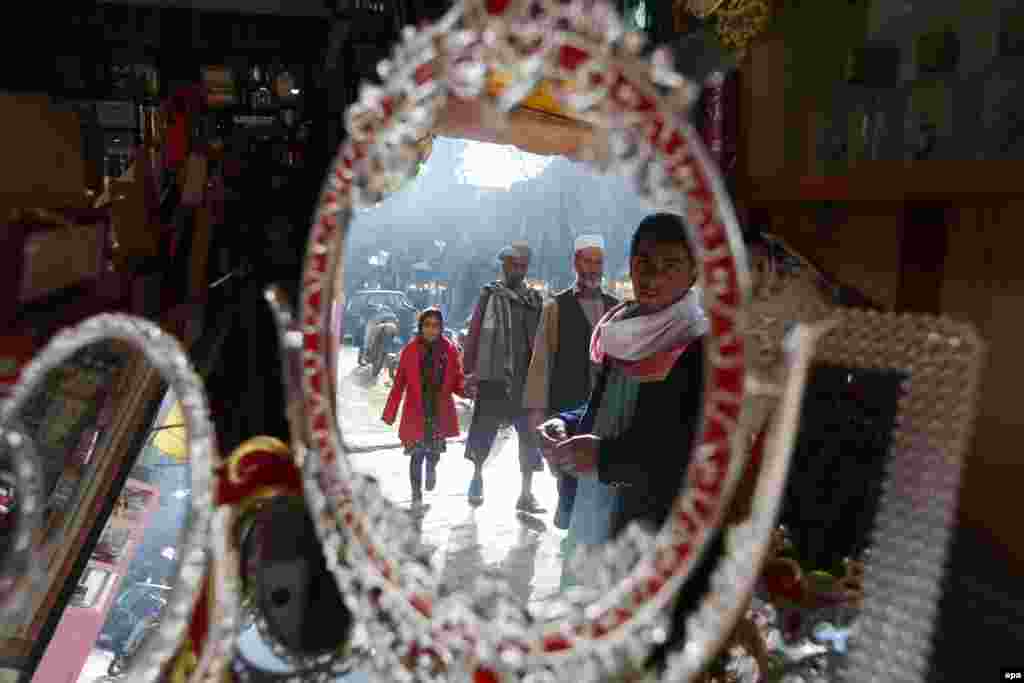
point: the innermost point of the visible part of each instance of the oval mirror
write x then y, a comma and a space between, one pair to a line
458, 554
82, 404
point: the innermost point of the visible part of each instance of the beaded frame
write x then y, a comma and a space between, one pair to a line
907, 556
597, 72
165, 354
19, 576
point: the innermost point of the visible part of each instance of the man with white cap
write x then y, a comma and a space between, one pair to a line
561, 373
496, 360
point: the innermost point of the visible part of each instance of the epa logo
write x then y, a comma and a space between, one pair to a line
1013, 676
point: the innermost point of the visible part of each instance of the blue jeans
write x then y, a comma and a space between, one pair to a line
420, 454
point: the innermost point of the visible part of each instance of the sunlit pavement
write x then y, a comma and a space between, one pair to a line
95, 666
464, 539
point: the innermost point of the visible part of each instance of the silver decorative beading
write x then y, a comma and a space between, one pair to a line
165, 354
20, 577
420, 632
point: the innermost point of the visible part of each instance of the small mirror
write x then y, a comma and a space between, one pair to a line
118, 425
70, 417
865, 518
290, 596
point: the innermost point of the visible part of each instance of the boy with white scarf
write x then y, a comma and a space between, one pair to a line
638, 428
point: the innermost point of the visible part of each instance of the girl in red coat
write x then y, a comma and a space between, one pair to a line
429, 373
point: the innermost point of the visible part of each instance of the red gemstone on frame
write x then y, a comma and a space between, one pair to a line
423, 73
421, 604
722, 325
714, 432
713, 234
313, 300
556, 643
312, 343
318, 263
683, 551
655, 129
483, 675
675, 141
495, 7
570, 57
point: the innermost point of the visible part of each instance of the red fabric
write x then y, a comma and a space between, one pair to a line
757, 450
186, 102
16, 350
177, 141
654, 368
407, 382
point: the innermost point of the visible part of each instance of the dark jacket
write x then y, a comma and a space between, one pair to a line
648, 463
571, 367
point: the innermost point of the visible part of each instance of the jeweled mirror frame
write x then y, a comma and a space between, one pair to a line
596, 70
916, 513
165, 354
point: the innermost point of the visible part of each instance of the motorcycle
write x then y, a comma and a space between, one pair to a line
384, 347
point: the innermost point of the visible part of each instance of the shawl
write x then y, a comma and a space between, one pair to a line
496, 359
647, 346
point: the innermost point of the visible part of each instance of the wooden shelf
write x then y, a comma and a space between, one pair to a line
896, 181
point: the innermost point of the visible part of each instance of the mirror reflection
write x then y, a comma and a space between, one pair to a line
468, 382
101, 416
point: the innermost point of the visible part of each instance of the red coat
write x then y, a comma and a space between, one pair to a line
408, 382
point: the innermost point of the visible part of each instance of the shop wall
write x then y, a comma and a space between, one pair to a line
859, 246
45, 143
982, 284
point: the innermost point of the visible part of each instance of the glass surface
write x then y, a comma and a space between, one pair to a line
126, 582
434, 243
810, 592
153, 507
69, 417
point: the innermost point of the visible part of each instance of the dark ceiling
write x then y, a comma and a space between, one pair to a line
297, 8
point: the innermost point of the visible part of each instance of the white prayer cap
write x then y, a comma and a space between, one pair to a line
591, 241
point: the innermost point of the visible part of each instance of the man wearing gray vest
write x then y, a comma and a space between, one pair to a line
561, 374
